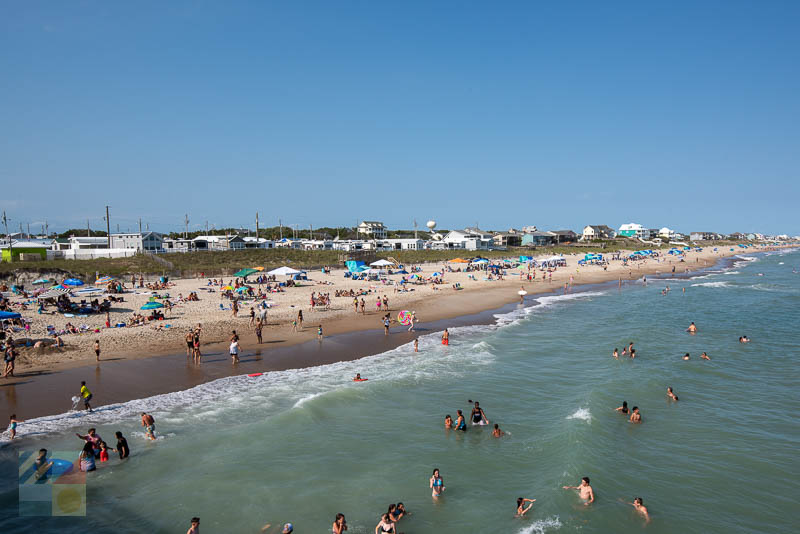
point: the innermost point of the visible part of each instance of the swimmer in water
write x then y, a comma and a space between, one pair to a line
448, 421
637, 503
704, 356
497, 432
633, 353
686, 356
478, 417
615, 353
521, 508
744, 339
692, 328
357, 377
671, 395
584, 491
436, 484
636, 417
460, 423
623, 409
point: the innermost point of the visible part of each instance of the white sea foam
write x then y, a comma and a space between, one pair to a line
713, 284
583, 414
307, 398
540, 526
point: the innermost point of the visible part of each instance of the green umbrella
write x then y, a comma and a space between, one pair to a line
152, 306
245, 272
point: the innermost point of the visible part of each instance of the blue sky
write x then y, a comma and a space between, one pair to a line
556, 114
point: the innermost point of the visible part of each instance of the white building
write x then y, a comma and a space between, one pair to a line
597, 231
148, 241
218, 242
316, 244
634, 230
401, 244
83, 243
372, 229
257, 242
666, 233
468, 239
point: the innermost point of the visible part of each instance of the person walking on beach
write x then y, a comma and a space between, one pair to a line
196, 346
9, 358
386, 303
252, 316
363, 305
386, 323
235, 307
436, 484
97, 349
258, 331
150, 425
300, 319
234, 349
585, 491
412, 322
355, 304
319, 333
86, 395
12, 425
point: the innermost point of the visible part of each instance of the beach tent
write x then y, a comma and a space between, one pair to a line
481, 260
73, 282
458, 260
354, 266
244, 273
381, 263
152, 306
53, 293
9, 315
284, 271
523, 259
371, 271
89, 291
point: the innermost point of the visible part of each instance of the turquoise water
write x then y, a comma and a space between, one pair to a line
302, 445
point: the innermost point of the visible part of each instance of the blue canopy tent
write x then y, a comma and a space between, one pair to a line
9, 315
355, 266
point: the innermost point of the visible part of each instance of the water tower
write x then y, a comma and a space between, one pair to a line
431, 225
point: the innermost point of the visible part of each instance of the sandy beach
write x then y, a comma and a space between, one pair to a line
57, 371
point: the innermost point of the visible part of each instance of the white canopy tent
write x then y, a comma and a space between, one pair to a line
381, 263
284, 271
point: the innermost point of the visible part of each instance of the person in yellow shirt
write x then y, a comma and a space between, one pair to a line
87, 396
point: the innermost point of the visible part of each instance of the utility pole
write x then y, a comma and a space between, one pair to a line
186, 222
206, 227
10, 245
310, 232
108, 228
46, 229
29, 230
415, 229
280, 225
256, 229
88, 229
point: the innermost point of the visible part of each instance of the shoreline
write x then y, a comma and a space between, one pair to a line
123, 379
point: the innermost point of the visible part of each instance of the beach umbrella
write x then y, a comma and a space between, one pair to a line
284, 271
41, 281
244, 272
242, 289
481, 260
73, 282
259, 269
404, 317
227, 288
458, 260
152, 306
103, 280
9, 315
437, 274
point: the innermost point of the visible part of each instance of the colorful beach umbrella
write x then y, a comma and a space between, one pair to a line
404, 317
103, 280
242, 289
42, 281
74, 282
227, 288
152, 306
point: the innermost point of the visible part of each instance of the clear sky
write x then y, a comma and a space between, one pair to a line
555, 114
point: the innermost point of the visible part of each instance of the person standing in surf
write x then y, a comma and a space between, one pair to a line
445, 337
87, 396
478, 417
460, 423
585, 491
436, 484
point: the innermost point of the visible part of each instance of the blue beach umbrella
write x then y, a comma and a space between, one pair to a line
9, 315
152, 306
73, 282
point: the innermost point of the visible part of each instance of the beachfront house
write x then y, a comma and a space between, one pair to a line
400, 244
468, 239
737, 236
372, 230
147, 241
316, 244
258, 242
597, 231
218, 242
538, 239
169, 244
633, 230
87, 243
704, 236
666, 234
20, 250
512, 238
565, 236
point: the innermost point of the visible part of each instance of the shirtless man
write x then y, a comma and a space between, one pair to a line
637, 503
149, 424
636, 417
497, 433
704, 356
671, 395
189, 338
692, 328
585, 491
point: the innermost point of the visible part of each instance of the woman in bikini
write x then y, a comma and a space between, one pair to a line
436, 484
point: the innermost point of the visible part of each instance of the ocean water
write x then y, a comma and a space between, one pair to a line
302, 445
